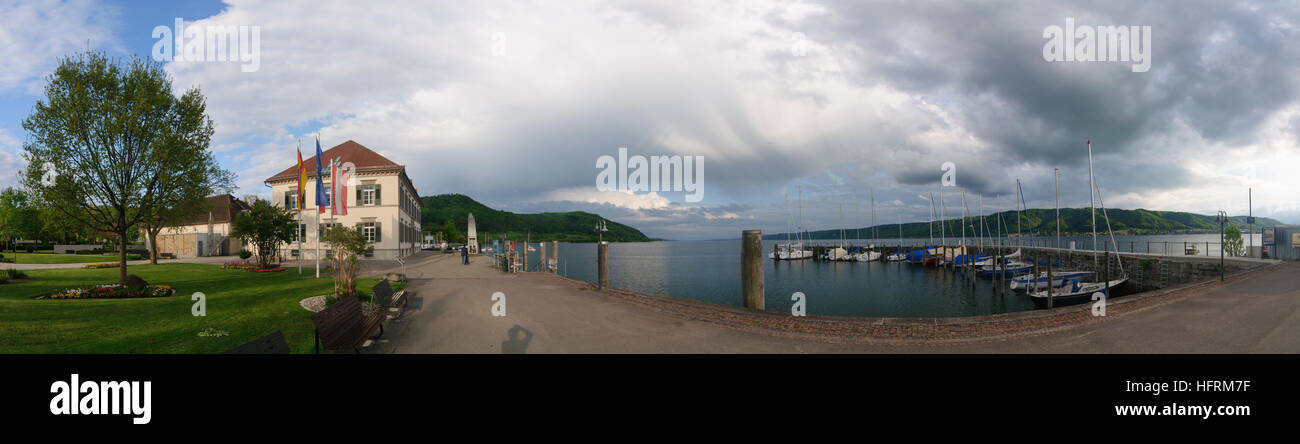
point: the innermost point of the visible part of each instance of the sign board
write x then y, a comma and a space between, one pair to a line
1250, 220
1267, 235
1295, 240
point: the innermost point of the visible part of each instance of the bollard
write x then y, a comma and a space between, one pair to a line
555, 262
776, 253
541, 256
751, 268
602, 264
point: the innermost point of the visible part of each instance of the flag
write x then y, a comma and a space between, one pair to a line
334, 186
322, 200
341, 190
302, 180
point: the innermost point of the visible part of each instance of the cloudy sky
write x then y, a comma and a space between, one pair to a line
512, 103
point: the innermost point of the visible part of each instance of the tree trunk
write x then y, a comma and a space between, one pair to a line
153, 244
121, 257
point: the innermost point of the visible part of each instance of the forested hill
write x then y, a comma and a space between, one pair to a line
1043, 222
573, 226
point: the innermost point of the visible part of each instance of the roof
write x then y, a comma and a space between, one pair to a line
223, 208
365, 160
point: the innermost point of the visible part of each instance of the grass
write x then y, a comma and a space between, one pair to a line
22, 257
244, 305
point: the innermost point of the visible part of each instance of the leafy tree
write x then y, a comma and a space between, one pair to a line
266, 226
18, 217
450, 233
106, 142
346, 244
1232, 244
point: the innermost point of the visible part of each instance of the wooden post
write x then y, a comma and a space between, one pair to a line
776, 253
1049, 283
541, 256
751, 268
1105, 275
555, 256
602, 264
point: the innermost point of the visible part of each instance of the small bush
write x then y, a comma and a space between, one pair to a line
31, 248
13, 274
134, 282
245, 254
132, 257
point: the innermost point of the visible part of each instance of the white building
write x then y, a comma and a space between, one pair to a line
206, 233
384, 204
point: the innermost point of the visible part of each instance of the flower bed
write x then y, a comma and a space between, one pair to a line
102, 265
248, 266
112, 291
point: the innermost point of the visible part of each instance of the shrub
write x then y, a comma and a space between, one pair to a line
30, 248
132, 257
13, 274
134, 282
245, 254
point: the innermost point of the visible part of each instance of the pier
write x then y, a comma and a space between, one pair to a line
1257, 310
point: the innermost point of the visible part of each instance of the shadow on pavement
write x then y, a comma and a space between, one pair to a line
517, 344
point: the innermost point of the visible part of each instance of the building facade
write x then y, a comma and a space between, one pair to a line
383, 204
206, 233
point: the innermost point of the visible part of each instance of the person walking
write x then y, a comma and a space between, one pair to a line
464, 255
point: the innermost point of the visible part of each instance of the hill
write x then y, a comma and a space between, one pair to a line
573, 226
1073, 221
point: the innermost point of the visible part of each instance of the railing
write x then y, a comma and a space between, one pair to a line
1162, 248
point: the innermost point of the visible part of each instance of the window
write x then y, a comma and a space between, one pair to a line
301, 235
368, 195
290, 199
369, 230
329, 193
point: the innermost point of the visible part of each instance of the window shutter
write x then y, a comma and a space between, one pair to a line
378, 201
359, 201
377, 230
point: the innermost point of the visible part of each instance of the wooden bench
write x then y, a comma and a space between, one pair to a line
385, 297
272, 344
167, 255
342, 325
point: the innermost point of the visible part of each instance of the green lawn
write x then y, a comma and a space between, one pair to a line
52, 258
245, 305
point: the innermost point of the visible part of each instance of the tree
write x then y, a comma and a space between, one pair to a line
449, 232
1232, 241
18, 217
346, 244
266, 226
194, 177
106, 142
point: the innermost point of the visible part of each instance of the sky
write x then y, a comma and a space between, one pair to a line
821, 106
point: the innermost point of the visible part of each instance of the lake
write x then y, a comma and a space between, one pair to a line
709, 271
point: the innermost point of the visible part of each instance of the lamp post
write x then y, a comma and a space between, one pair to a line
1223, 219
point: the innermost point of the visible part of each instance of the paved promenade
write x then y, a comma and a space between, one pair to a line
450, 312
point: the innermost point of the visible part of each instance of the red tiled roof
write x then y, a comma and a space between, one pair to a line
363, 158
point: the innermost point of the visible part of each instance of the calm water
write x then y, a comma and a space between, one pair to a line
710, 271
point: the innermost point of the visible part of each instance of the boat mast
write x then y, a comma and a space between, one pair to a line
1019, 198
1056, 174
874, 232
1092, 205
931, 219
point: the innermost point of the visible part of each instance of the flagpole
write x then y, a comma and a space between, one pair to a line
318, 187
300, 201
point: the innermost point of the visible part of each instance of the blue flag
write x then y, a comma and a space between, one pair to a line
321, 199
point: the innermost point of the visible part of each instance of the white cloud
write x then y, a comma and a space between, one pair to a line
621, 199
35, 34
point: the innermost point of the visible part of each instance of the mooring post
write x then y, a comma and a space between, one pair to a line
1105, 275
555, 256
1049, 283
776, 253
602, 261
751, 268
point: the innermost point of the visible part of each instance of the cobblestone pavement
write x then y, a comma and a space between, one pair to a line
451, 312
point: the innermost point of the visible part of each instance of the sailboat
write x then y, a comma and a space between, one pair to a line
790, 250
1059, 278
898, 256
1076, 291
868, 256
